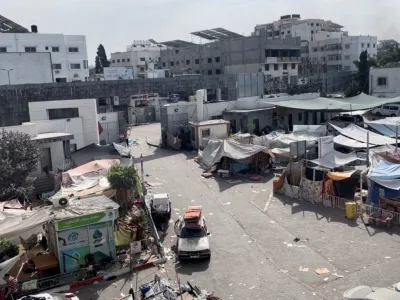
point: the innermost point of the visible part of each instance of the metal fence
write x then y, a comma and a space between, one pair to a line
369, 209
333, 201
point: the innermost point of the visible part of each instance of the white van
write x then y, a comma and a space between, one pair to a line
388, 110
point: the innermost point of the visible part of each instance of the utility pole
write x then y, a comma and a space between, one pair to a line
8, 73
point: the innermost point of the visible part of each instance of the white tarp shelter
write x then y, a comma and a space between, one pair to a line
359, 102
360, 134
385, 126
335, 159
215, 150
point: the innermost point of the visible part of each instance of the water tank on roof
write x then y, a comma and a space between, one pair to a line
34, 29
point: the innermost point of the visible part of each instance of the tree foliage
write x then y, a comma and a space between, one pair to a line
389, 53
101, 59
124, 178
360, 82
19, 157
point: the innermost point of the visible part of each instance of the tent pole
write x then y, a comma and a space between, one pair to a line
397, 131
368, 149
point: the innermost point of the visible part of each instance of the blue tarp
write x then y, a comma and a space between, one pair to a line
385, 129
385, 170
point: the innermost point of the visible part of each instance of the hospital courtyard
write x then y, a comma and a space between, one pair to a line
264, 246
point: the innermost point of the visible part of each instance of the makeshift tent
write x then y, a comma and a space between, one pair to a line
335, 159
359, 102
360, 134
93, 166
6, 266
385, 126
386, 174
347, 142
215, 150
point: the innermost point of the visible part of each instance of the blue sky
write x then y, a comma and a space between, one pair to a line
116, 23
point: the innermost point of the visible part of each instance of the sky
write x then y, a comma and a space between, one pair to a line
116, 23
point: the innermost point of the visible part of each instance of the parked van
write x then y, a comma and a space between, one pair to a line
388, 110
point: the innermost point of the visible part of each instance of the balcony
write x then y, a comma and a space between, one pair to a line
274, 60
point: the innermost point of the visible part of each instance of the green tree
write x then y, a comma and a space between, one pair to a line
19, 157
101, 59
388, 53
360, 82
124, 178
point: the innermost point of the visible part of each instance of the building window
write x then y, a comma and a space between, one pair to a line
347, 46
141, 69
188, 62
205, 133
217, 59
288, 32
46, 48
3, 49
266, 67
347, 57
55, 49
142, 59
197, 61
217, 71
285, 66
163, 64
61, 79
75, 66
73, 49
368, 45
382, 81
373, 45
315, 49
63, 113
362, 45
197, 72
113, 61
56, 66
30, 49
317, 24
312, 24
276, 67
269, 34
123, 60
209, 72
276, 33
209, 60
312, 31
300, 117
172, 64
347, 68
118, 60
128, 59
176, 51
177, 63
293, 66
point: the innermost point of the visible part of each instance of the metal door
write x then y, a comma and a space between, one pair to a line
110, 132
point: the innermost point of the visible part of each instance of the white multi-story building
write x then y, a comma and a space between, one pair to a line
68, 53
141, 55
340, 52
294, 26
385, 82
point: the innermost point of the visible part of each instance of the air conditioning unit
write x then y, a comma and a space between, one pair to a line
62, 201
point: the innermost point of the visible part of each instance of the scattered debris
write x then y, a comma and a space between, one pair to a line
272, 222
326, 279
320, 271
337, 275
211, 214
179, 195
256, 178
207, 175
301, 269
249, 242
250, 288
227, 203
255, 192
296, 240
263, 190
233, 181
387, 257
283, 271
147, 175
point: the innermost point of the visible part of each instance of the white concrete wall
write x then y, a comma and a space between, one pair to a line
28, 128
110, 127
392, 87
57, 154
87, 112
26, 68
16, 42
74, 126
219, 131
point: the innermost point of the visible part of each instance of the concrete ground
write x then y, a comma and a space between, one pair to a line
254, 255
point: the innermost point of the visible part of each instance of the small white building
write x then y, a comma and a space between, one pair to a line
68, 54
385, 82
142, 56
78, 117
202, 132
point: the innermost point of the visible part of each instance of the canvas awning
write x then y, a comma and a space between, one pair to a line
345, 141
336, 176
360, 134
335, 159
359, 102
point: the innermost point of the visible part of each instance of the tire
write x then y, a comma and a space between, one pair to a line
392, 115
378, 114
